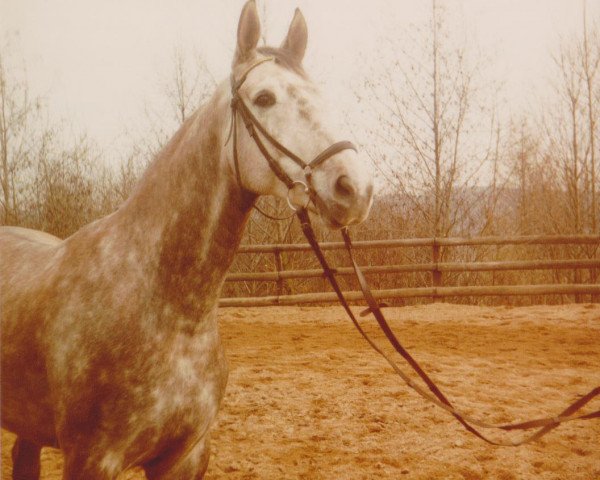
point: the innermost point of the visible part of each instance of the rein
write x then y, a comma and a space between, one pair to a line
433, 393
543, 425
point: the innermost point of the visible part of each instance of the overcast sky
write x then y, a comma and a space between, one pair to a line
98, 62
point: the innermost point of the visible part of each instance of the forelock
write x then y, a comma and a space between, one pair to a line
283, 58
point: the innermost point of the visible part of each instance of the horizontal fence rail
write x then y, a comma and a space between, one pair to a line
328, 297
435, 268
422, 267
431, 242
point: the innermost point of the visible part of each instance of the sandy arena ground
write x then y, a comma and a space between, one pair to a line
308, 399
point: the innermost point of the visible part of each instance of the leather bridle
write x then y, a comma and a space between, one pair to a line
239, 108
433, 393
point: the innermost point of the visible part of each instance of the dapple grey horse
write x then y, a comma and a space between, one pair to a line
110, 342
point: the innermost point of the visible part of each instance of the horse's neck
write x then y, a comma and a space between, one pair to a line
187, 215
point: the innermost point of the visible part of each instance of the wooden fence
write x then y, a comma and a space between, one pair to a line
436, 269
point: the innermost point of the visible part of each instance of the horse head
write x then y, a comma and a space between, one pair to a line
290, 146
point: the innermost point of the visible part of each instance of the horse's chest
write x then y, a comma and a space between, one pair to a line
190, 383
189, 387
158, 393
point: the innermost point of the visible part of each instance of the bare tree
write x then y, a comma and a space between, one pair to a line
186, 87
590, 62
49, 181
189, 85
435, 131
17, 112
570, 126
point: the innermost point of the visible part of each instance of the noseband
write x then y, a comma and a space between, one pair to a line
239, 108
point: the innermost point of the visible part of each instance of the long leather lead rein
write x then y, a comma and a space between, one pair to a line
544, 425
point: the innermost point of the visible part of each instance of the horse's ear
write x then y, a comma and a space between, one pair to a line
248, 31
297, 37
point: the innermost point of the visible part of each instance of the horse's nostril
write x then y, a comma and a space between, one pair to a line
344, 187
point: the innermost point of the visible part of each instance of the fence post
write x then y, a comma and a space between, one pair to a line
279, 268
595, 298
436, 275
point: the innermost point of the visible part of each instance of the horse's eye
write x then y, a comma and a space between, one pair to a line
265, 99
